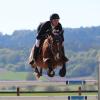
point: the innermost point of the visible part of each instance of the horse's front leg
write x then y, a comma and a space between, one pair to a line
38, 73
50, 72
62, 71
41, 71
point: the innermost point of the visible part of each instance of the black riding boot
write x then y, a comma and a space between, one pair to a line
36, 53
64, 57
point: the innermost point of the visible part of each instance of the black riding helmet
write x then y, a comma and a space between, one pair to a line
54, 16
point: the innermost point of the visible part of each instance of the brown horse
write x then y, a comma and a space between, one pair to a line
50, 56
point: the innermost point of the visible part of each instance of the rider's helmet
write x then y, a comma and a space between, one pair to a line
54, 16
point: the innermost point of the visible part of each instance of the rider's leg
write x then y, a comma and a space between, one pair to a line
64, 57
36, 49
31, 61
34, 52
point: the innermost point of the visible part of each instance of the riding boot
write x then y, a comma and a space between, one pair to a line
33, 56
64, 57
36, 53
31, 60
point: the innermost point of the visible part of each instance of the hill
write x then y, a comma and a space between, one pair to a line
82, 45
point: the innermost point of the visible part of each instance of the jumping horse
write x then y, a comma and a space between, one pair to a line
50, 56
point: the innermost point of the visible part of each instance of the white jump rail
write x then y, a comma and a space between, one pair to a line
44, 83
20, 84
43, 98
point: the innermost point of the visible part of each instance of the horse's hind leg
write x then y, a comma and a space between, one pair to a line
62, 71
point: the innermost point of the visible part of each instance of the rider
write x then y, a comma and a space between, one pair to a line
52, 26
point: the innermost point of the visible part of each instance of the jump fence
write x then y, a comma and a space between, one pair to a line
21, 84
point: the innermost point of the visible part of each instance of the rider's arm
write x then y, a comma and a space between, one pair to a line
42, 31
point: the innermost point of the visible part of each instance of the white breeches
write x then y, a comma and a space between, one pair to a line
37, 43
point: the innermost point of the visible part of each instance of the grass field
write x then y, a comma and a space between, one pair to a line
47, 94
9, 75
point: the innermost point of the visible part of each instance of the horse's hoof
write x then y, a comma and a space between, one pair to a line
65, 59
62, 72
51, 73
37, 76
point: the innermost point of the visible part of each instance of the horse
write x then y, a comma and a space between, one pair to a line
50, 56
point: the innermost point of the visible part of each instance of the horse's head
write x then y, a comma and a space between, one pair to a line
55, 45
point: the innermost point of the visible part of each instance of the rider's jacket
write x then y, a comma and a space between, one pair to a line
46, 28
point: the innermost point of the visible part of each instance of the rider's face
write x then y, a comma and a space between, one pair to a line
55, 22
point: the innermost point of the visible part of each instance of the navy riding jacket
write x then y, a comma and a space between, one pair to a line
46, 28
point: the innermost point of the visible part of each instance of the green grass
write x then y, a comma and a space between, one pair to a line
47, 94
9, 75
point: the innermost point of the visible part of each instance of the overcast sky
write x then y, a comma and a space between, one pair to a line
27, 14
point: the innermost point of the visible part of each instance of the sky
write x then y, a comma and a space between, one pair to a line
27, 14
